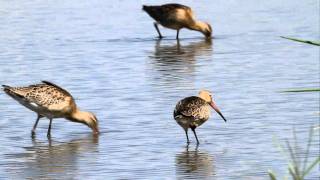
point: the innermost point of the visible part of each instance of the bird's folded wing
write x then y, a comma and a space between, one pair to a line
190, 107
44, 96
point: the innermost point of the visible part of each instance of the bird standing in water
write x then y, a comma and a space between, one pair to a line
176, 16
192, 112
51, 101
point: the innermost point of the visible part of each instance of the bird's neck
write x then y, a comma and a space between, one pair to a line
77, 116
198, 26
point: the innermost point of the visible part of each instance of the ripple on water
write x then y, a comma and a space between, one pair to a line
131, 80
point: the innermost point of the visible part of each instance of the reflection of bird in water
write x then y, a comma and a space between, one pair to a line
194, 164
51, 101
176, 16
191, 112
47, 160
182, 52
176, 62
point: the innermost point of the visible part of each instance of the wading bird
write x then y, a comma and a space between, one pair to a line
51, 101
176, 16
193, 111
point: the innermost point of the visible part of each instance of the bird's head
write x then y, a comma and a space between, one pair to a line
207, 96
87, 118
206, 29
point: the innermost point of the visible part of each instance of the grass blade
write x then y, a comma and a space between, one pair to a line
317, 161
293, 173
316, 43
272, 175
303, 90
308, 149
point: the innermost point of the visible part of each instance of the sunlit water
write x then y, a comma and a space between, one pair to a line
107, 55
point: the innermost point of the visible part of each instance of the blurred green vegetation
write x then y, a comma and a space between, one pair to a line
298, 165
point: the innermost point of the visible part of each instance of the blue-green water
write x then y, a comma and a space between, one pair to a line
107, 55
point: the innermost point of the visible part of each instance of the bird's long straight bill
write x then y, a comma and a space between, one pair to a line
215, 107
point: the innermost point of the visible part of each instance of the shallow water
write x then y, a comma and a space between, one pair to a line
107, 55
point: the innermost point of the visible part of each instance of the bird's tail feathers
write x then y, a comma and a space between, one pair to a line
149, 9
6, 88
11, 91
144, 7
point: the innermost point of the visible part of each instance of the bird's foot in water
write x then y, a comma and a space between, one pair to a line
33, 134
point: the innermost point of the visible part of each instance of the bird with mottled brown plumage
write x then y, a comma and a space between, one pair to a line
51, 101
191, 112
177, 16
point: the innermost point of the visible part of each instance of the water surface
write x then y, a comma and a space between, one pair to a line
107, 55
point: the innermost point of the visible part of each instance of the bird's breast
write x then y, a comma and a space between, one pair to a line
202, 112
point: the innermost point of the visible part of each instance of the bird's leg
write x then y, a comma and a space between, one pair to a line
186, 130
49, 129
156, 26
177, 37
195, 134
178, 46
33, 131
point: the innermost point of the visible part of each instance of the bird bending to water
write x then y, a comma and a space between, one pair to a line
51, 101
176, 16
193, 111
